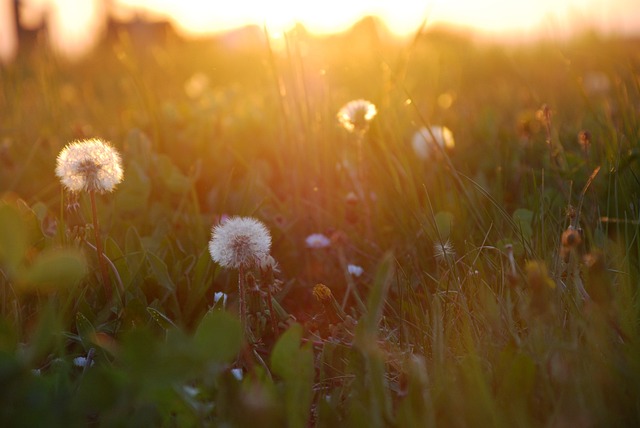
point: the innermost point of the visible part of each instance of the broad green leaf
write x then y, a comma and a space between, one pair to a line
219, 336
160, 271
295, 365
444, 222
378, 294
56, 269
135, 254
162, 320
86, 331
134, 193
13, 237
523, 219
43, 336
117, 257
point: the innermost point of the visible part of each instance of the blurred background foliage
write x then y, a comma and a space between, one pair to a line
512, 327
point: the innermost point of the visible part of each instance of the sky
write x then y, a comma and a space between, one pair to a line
76, 24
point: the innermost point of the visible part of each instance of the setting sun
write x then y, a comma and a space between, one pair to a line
74, 26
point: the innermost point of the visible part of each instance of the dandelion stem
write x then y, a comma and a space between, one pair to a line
241, 298
272, 315
363, 184
96, 230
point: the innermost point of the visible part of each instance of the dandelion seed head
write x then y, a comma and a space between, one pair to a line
317, 240
424, 140
89, 165
356, 115
239, 242
443, 251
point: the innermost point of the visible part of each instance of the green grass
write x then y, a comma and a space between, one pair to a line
513, 329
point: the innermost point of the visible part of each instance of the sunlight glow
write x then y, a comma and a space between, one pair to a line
75, 25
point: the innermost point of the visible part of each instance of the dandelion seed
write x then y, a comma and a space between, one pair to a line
321, 293
443, 251
424, 140
239, 242
355, 270
356, 115
89, 165
317, 240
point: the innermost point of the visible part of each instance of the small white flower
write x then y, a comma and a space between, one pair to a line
424, 139
237, 373
317, 240
239, 241
89, 165
82, 362
219, 295
191, 391
355, 270
356, 115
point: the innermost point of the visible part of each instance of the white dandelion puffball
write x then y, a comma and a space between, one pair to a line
423, 141
89, 165
317, 240
239, 242
356, 115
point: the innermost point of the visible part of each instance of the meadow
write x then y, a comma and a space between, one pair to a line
492, 281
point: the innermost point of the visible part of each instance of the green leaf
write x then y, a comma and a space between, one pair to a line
115, 254
162, 320
523, 219
13, 237
219, 336
86, 330
56, 269
134, 253
378, 294
160, 271
295, 365
44, 335
444, 221
134, 192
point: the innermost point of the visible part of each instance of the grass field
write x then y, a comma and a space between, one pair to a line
494, 283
